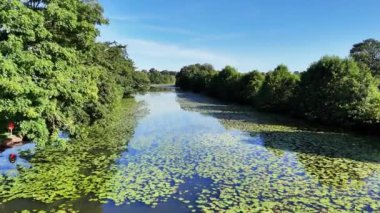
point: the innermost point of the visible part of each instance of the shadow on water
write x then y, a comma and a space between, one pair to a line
80, 205
332, 159
228, 111
331, 145
284, 133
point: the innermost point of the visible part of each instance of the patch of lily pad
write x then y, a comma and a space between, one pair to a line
67, 173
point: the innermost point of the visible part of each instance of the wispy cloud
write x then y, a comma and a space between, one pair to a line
217, 37
148, 53
174, 30
134, 18
162, 50
144, 22
123, 18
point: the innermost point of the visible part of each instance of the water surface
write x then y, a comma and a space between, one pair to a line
189, 153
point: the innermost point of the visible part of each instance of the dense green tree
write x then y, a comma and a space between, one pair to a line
115, 79
53, 74
141, 81
249, 86
44, 85
203, 77
154, 76
368, 53
278, 90
195, 77
185, 77
338, 91
163, 77
225, 84
114, 61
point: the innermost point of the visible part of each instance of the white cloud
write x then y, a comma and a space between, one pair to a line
194, 35
133, 18
147, 53
215, 37
161, 50
169, 29
171, 56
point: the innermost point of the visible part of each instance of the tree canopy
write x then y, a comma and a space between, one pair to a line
368, 53
163, 77
338, 91
54, 75
195, 77
278, 90
250, 86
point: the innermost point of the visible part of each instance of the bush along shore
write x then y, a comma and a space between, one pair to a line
54, 75
332, 91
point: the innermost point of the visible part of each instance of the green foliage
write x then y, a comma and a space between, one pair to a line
117, 67
225, 84
141, 81
368, 53
196, 77
250, 85
253, 88
163, 77
53, 74
338, 91
333, 91
278, 90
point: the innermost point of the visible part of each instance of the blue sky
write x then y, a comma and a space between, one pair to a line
246, 34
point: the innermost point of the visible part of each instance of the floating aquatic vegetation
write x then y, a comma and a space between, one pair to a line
201, 155
71, 172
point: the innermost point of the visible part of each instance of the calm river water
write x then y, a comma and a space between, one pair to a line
189, 153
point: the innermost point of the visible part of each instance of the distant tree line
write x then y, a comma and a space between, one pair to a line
54, 75
160, 77
333, 91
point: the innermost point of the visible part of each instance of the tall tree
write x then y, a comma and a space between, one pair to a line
368, 53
